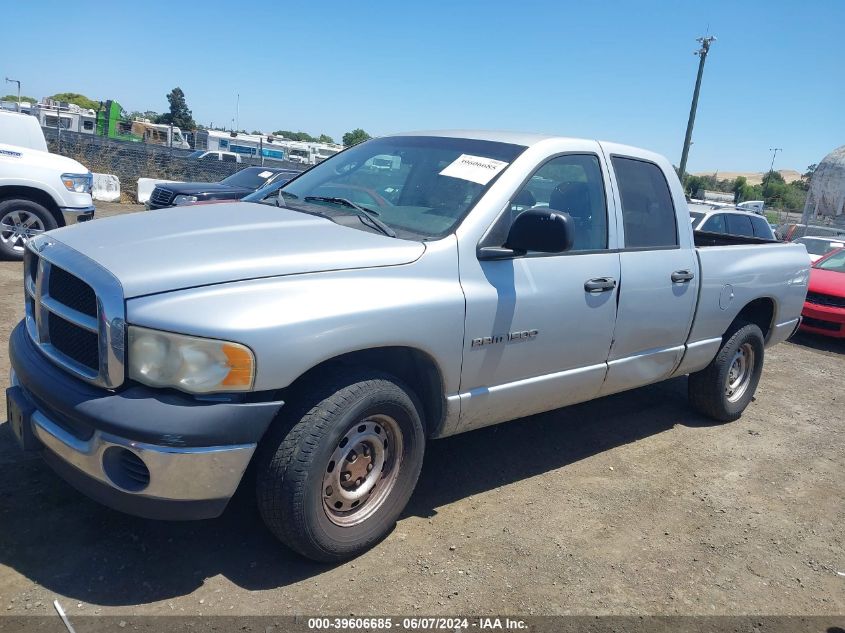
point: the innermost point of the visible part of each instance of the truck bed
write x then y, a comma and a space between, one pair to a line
706, 238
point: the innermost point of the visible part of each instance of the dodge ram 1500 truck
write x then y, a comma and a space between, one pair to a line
325, 338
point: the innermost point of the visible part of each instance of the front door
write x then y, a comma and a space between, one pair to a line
539, 326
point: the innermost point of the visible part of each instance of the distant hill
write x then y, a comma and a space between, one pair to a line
753, 177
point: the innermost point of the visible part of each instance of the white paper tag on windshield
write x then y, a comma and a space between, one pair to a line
474, 168
265, 174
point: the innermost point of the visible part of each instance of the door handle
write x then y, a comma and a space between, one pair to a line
601, 284
682, 276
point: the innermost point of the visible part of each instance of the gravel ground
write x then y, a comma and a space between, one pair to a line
631, 504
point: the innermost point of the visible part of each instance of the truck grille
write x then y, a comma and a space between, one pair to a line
72, 292
161, 197
77, 323
826, 300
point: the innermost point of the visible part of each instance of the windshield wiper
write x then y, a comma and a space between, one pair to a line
362, 212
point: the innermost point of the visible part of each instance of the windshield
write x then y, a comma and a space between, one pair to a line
695, 217
196, 154
835, 262
249, 178
819, 247
427, 188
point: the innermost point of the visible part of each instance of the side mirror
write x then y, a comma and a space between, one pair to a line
542, 230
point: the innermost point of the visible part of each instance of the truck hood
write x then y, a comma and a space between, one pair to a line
61, 164
171, 249
828, 282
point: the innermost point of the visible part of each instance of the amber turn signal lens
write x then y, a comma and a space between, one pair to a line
240, 363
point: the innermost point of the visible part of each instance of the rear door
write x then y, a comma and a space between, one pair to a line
659, 284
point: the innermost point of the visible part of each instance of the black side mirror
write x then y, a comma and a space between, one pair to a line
542, 230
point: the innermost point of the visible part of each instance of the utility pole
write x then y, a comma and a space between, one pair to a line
702, 57
15, 81
238, 112
774, 151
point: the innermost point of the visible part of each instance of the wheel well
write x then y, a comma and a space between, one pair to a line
36, 195
413, 367
761, 312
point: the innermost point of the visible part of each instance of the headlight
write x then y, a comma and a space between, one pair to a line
79, 183
189, 363
184, 199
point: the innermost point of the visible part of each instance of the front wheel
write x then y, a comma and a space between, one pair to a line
20, 221
724, 388
336, 473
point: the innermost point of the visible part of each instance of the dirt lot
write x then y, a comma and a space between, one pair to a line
628, 505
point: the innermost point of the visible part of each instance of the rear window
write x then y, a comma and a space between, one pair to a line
739, 225
648, 214
761, 228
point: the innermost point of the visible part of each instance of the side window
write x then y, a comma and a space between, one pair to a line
228, 158
572, 183
761, 228
715, 224
648, 214
739, 225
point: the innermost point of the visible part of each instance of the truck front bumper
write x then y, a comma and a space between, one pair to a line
75, 215
140, 451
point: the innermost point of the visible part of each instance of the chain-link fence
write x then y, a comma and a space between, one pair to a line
129, 160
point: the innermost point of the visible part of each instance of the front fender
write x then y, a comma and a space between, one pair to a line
294, 323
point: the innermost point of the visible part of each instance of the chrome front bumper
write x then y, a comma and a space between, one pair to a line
160, 482
75, 215
175, 474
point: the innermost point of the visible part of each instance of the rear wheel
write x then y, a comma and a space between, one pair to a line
334, 476
724, 388
20, 221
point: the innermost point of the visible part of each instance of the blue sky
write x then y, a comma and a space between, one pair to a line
621, 71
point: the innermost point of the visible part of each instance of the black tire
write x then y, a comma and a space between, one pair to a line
709, 389
297, 457
14, 209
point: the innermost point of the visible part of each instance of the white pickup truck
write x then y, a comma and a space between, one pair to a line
39, 191
327, 333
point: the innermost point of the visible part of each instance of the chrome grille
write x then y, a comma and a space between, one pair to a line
161, 197
74, 312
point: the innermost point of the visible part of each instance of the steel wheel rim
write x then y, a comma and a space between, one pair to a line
19, 226
362, 470
740, 372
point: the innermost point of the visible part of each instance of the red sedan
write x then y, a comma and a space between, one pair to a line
824, 309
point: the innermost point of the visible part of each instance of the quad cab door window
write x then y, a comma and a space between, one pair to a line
573, 184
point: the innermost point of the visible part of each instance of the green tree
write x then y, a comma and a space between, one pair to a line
325, 138
179, 114
354, 137
295, 136
146, 114
73, 97
811, 169
14, 98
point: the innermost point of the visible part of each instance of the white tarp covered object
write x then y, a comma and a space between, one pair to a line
146, 186
826, 196
106, 188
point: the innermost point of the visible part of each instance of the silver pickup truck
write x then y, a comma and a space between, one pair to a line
409, 288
